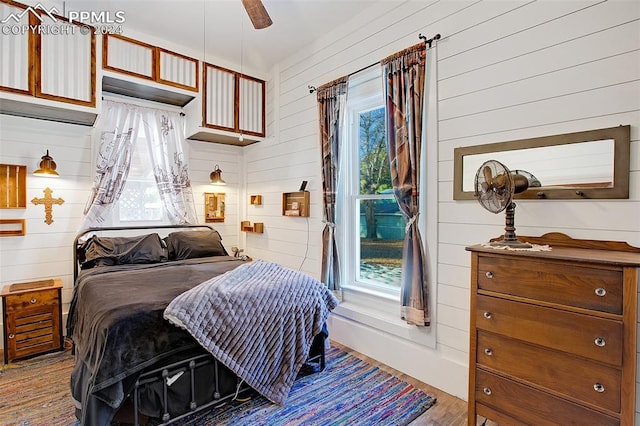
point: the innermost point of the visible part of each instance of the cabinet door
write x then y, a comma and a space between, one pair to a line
177, 70
251, 106
14, 50
219, 98
66, 70
128, 56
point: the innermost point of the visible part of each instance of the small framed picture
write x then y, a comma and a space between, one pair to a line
295, 205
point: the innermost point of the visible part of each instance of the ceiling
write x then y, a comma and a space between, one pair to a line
219, 25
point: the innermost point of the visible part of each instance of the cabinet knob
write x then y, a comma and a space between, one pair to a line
600, 342
487, 315
12, 336
488, 274
33, 300
601, 292
487, 391
488, 351
598, 387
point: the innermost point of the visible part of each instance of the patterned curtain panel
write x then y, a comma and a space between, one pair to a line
404, 79
116, 131
331, 100
164, 131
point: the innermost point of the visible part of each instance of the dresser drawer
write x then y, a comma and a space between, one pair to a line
585, 335
574, 377
557, 282
31, 299
531, 406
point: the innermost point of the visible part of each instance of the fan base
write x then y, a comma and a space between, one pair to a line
510, 243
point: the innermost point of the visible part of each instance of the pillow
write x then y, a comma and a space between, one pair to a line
190, 244
109, 251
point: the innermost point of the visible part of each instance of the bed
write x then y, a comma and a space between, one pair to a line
149, 313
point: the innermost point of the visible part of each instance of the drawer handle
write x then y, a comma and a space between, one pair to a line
33, 300
598, 387
487, 315
600, 342
489, 274
487, 391
601, 292
488, 351
12, 336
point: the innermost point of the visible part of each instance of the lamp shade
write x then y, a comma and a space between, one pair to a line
216, 176
47, 167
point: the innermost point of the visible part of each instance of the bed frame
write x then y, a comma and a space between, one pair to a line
161, 375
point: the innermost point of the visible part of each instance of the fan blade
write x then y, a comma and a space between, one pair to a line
257, 13
488, 176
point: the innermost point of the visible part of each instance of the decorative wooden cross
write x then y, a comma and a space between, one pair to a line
48, 202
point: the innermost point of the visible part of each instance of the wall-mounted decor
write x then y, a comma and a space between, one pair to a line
214, 207
48, 201
246, 226
13, 186
255, 200
12, 227
295, 203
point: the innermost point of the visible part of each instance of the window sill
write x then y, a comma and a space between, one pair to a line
358, 307
372, 292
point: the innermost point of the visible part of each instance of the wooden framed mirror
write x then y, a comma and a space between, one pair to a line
214, 207
582, 165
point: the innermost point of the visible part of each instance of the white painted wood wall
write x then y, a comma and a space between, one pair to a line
505, 70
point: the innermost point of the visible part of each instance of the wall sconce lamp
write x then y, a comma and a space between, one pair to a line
47, 167
216, 176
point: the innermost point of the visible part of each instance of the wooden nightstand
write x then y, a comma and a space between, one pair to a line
32, 322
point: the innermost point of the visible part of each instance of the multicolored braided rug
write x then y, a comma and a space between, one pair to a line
348, 392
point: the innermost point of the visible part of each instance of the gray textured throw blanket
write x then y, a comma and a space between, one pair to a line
259, 320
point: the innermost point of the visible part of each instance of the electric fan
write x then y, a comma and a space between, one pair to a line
494, 189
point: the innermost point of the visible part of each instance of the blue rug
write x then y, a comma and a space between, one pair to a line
348, 392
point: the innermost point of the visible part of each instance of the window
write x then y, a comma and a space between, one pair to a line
373, 237
140, 200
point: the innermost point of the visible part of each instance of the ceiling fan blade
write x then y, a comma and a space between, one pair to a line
257, 13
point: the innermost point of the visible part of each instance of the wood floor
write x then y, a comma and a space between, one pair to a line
448, 410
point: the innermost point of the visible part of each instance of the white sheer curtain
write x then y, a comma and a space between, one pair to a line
116, 134
164, 131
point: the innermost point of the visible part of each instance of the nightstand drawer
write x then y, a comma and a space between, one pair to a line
570, 376
585, 335
31, 299
556, 282
531, 406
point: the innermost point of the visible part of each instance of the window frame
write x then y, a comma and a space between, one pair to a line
365, 94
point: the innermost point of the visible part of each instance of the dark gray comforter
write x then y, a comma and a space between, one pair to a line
118, 329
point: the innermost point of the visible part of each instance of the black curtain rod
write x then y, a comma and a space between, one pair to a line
428, 41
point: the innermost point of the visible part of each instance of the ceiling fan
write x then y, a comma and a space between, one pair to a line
257, 13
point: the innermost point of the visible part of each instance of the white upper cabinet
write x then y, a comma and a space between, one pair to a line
132, 57
233, 101
49, 59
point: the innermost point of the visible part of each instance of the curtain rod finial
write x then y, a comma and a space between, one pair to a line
429, 40
311, 88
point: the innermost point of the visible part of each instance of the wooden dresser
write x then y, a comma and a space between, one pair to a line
32, 321
553, 333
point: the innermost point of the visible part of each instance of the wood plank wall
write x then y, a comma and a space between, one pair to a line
505, 70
